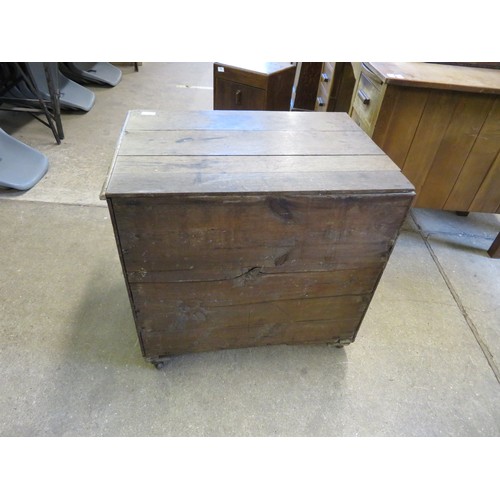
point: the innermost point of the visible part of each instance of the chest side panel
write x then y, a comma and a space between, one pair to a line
209, 272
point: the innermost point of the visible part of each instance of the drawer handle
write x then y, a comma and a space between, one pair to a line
365, 99
238, 97
325, 77
321, 102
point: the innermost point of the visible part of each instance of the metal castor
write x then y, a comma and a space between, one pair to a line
158, 364
339, 346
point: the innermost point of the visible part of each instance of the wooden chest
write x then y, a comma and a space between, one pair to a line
250, 228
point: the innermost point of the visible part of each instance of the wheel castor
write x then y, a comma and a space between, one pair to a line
339, 346
158, 364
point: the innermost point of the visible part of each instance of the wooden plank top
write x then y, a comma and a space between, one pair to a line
213, 152
438, 76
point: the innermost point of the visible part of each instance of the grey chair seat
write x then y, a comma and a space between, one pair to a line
21, 166
96, 72
72, 94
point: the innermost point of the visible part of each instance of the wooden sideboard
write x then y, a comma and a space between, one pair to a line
441, 125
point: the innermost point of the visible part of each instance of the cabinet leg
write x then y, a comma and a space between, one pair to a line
461, 214
159, 363
494, 250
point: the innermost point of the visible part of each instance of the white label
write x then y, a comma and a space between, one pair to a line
220, 69
148, 113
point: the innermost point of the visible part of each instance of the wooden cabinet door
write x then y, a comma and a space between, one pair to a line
233, 95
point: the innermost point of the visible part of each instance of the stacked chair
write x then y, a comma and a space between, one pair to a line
42, 88
21, 166
100, 73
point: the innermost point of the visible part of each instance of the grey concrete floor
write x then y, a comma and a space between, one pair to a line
425, 362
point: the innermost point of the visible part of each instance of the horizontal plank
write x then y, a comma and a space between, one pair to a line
236, 120
224, 236
161, 343
177, 175
254, 164
253, 286
181, 316
147, 263
247, 142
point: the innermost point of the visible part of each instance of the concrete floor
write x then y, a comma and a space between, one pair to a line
425, 362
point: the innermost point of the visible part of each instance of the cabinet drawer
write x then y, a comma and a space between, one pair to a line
321, 98
233, 95
326, 77
367, 100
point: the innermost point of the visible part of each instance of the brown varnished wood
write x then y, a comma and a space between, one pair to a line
438, 76
307, 85
404, 117
428, 137
482, 156
488, 195
440, 124
465, 124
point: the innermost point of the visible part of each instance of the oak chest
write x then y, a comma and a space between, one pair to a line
250, 228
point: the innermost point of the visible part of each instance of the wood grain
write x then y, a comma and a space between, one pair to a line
487, 198
159, 343
396, 128
255, 174
246, 142
216, 237
235, 120
428, 137
468, 117
480, 160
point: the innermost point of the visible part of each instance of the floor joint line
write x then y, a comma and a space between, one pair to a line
484, 347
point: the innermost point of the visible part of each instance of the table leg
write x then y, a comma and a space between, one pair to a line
494, 250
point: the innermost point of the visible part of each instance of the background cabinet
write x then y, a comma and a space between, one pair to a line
441, 125
258, 86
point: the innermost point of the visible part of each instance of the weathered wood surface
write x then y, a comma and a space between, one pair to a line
159, 343
275, 233
246, 142
276, 152
255, 174
235, 120
221, 234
